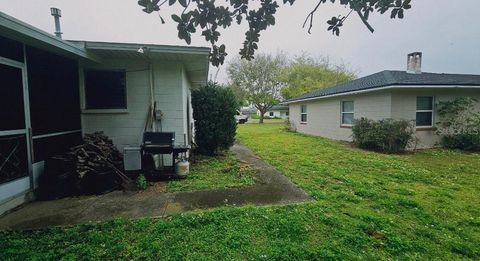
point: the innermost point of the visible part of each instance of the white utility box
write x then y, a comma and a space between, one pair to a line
132, 158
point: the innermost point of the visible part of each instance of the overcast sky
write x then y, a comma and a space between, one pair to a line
446, 31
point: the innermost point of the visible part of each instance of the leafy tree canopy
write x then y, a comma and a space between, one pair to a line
208, 16
306, 74
239, 93
258, 79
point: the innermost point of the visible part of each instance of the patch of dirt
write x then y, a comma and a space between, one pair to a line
153, 189
172, 208
376, 234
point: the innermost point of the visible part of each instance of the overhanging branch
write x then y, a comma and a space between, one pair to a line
365, 22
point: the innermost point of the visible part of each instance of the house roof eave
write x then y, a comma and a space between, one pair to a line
30, 35
388, 87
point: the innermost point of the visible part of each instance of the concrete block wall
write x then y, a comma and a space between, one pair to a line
404, 104
324, 115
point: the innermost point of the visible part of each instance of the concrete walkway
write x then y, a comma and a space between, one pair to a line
271, 188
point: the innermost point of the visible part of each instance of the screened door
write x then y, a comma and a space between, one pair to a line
14, 163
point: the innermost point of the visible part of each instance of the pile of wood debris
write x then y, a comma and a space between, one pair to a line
97, 154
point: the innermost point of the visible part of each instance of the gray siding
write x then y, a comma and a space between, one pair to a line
404, 107
277, 114
324, 113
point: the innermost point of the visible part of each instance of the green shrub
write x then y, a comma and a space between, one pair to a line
389, 136
142, 182
214, 110
459, 124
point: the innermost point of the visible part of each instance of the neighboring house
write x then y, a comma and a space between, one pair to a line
410, 95
278, 111
249, 111
54, 91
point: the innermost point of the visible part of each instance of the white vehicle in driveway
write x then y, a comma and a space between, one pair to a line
241, 118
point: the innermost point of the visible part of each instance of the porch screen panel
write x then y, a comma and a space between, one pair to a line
13, 157
12, 113
49, 146
54, 92
11, 49
13, 147
54, 102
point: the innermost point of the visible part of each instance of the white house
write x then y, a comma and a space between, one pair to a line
53, 91
249, 111
410, 95
278, 111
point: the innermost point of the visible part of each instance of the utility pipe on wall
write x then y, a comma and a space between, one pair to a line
152, 98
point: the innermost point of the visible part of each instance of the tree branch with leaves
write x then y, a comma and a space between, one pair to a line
208, 16
306, 74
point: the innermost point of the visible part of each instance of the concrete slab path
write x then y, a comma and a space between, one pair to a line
271, 188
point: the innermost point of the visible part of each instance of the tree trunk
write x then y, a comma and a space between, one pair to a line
262, 116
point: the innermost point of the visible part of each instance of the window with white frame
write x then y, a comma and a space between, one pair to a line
347, 113
303, 113
424, 112
271, 114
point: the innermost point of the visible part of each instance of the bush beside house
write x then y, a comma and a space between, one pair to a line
214, 110
388, 135
459, 124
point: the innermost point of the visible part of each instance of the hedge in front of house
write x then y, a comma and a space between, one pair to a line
214, 110
459, 124
388, 135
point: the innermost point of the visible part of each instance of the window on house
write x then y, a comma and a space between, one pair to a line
271, 114
105, 90
424, 115
347, 112
303, 113
286, 113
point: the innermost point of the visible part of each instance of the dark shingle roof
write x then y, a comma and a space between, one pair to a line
279, 107
389, 78
248, 110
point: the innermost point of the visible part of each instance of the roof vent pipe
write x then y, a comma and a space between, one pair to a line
414, 63
57, 13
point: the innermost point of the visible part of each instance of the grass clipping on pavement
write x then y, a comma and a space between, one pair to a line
221, 171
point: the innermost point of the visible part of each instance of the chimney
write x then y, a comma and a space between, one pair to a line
414, 63
57, 13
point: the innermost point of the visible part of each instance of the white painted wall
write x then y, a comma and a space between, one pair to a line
277, 114
324, 119
187, 107
127, 127
404, 107
323, 115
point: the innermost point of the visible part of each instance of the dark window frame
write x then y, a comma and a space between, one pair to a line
430, 111
122, 105
343, 112
303, 113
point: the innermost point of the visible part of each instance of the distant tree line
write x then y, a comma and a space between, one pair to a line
269, 79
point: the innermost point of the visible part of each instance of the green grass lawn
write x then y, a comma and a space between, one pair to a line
223, 171
266, 121
368, 206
